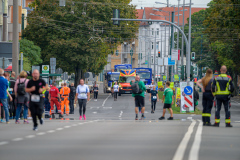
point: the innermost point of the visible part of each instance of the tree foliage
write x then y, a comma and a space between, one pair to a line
81, 34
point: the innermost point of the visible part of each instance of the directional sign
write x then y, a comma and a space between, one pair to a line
188, 90
59, 71
52, 61
64, 76
45, 69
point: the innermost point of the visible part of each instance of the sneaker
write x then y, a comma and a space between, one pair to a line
17, 122
3, 121
170, 118
152, 112
29, 118
84, 117
60, 116
7, 122
228, 125
25, 121
80, 118
161, 118
136, 118
208, 124
143, 117
41, 121
215, 125
35, 128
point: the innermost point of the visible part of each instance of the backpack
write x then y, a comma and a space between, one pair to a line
21, 88
135, 88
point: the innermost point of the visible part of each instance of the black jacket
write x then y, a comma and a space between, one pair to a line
72, 92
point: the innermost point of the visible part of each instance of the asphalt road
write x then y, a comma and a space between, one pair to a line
110, 132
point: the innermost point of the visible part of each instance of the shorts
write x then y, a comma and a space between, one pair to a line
139, 101
167, 106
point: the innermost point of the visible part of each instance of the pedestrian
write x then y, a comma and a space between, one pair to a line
12, 109
115, 90
54, 98
65, 91
168, 101
95, 91
207, 99
195, 98
71, 98
138, 89
35, 88
3, 95
83, 95
22, 97
222, 88
47, 102
153, 98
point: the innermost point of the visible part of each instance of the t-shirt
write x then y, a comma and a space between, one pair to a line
40, 83
168, 93
115, 88
154, 95
82, 91
95, 88
54, 92
142, 87
3, 87
65, 91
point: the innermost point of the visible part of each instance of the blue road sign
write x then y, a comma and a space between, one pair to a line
188, 90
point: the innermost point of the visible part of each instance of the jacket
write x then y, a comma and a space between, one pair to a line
222, 85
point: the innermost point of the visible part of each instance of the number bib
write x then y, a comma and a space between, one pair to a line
82, 95
154, 97
35, 98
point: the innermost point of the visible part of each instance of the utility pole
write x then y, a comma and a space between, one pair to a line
178, 36
189, 44
154, 59
15, 54
182, 35
5, 21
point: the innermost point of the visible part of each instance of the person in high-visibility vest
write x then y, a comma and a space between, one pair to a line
65, 91
222, 87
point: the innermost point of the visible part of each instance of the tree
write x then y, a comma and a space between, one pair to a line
31, 54
81, 34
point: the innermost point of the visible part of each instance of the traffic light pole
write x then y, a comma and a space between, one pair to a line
164, 21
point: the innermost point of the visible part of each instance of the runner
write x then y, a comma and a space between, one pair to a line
168, 101
35, 88
116, 90
153, 98
83, 95
95, 89
22, 97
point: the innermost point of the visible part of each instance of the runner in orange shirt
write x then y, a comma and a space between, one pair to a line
65, 91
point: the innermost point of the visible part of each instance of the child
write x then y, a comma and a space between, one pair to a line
168, 101
153, 98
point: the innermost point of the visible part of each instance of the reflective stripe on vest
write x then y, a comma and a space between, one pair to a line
226, 91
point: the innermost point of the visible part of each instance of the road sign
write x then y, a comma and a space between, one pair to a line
45, 69
52, 61
175, 54
4, 63
86, 75
64, 76
59, 71
35, 67
171, 62
160, 61
53, 69
188, 90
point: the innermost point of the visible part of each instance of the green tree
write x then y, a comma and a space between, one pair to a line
81, 34
31, 54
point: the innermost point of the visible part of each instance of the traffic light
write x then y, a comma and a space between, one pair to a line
193, 56
116, 14
159, 54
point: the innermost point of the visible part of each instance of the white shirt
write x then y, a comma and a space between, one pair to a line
115, 88
82, 91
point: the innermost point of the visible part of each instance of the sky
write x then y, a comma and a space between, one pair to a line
151, 3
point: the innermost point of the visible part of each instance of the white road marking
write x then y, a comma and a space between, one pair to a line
94, 107
4, 142
17, 139
59, 129
41, 133
51, 131
67, 126
183, 145
120, 115
80, 123
194, 152
30, 136
107, 107
105, 100
74, 125
94, 112
189, 118
237, 121
89, 100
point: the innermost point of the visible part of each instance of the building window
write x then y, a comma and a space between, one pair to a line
152, 31
157, 31
152, 46
152, 59
157, 47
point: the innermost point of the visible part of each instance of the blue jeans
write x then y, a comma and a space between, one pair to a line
18, 111
5, 106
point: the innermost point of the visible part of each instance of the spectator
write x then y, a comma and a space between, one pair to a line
12, 109
71, 98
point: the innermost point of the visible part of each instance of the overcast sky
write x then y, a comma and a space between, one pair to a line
151, 3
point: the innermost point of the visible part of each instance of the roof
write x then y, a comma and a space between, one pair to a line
139, 13
162, 15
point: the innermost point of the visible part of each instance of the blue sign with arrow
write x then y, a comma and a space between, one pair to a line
188, 90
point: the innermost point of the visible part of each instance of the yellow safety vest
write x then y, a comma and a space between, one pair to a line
219, 91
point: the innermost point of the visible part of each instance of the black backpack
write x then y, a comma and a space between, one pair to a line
21, 88
135, 88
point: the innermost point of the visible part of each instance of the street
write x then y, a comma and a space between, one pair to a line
110, 132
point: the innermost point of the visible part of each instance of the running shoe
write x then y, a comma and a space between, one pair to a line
170, 118
143, 117
41, 121
136, 118
215, 125
7, 122
25, 121
60, 116
29, 117
84, 117
17, 122
80, 118
3, 121
161, 118
35, 128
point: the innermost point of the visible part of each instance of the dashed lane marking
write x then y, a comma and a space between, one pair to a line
17, 139
67, 126
3, 143
59, 129
40, 133
51, 131
30, 136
